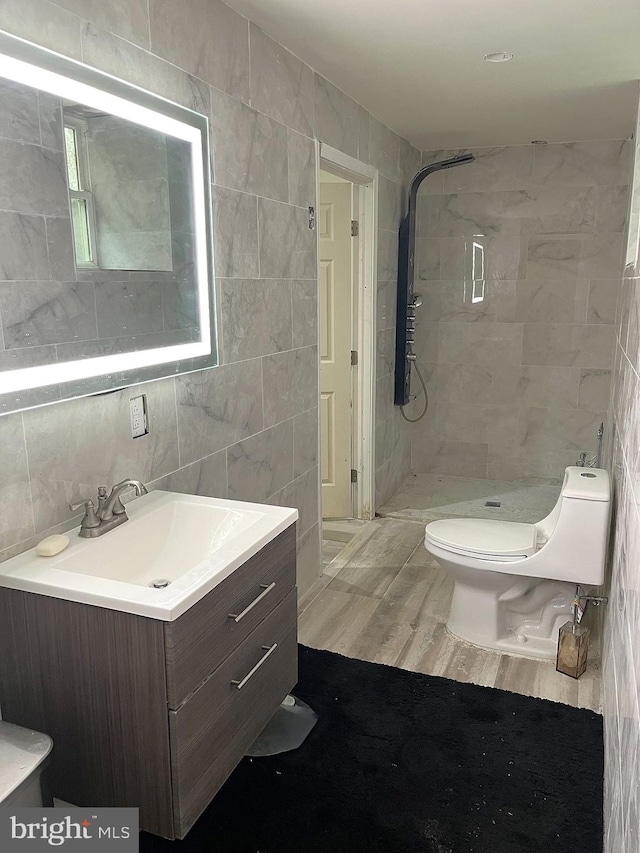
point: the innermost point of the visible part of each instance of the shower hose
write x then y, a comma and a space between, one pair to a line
426, 398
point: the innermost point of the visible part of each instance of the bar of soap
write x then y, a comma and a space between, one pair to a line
52, 545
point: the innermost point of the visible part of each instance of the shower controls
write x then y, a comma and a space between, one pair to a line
407, 300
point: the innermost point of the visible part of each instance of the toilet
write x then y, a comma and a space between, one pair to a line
514, 583
24, 754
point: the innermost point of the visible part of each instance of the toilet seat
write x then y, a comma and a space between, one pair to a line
483, 538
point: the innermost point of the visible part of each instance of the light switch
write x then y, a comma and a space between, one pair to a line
138, 410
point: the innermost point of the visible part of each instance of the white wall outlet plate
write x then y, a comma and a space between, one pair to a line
138, 409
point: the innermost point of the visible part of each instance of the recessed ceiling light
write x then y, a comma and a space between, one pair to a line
498, 57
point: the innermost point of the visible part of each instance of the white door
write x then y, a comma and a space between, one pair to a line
334, 222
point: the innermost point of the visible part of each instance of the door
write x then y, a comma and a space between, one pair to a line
335, 347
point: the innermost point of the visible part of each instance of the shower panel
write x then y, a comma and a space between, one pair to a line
407, 300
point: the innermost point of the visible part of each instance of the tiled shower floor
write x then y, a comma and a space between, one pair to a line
424, 497
383, 598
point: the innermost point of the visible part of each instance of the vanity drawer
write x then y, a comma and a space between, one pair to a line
210, 630
212, 731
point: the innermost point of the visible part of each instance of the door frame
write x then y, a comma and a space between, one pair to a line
365, 179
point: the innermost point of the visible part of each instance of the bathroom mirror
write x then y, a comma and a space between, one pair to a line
106, 256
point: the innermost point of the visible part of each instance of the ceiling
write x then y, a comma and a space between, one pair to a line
417, 64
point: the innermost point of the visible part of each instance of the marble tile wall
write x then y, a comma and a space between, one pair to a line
248, 428
621, 653
518, 259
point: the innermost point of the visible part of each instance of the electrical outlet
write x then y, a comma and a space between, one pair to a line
138, 410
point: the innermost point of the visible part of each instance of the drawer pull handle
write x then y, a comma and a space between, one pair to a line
266, 589
269, 650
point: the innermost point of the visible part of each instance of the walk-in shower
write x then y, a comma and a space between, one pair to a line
407, 300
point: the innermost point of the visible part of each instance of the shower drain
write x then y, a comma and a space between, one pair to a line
159, 583
492, 503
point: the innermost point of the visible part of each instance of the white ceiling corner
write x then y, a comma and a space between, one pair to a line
417, 65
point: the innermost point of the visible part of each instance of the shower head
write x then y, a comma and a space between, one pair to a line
457, 161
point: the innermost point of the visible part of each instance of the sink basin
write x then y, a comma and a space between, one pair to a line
186, 544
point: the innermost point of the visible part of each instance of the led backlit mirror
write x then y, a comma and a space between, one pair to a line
106, 258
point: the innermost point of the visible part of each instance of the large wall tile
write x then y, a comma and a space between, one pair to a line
119, 57
255, 316
569, 346
25, 253
235, 224
305, 441
301, 493
217, 408
384, 150
207, 477
47, 312
458, 458
506, 168
603, 297
103, 452
126, 18
590, 163
287, 245
16, 515
32, 180
206, 38
304, 299
389, 204
262, 464
309, 557
550, 301
559, 429
336, 117
281, 85
469, 301
480, 343
611, 210
594, 390
387, 255
478, 423
290, 381
301, 152
554, 257
528, 464
44, 23
128, 308
249, 149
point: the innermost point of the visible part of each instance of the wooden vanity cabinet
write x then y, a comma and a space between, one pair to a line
147, 713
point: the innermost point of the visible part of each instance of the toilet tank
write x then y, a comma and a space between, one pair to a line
572, 539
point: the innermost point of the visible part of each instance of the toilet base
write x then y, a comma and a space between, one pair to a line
516, 615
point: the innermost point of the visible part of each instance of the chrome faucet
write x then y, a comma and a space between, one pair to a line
110, 511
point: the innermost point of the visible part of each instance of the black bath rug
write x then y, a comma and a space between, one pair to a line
401, 762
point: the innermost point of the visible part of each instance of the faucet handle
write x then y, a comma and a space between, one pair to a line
90, 518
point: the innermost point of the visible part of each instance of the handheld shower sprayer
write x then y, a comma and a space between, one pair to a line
407, 300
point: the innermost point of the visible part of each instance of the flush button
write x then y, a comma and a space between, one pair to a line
587, 475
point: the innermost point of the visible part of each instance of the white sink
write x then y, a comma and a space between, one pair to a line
192, 542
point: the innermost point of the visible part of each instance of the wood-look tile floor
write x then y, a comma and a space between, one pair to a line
383, 598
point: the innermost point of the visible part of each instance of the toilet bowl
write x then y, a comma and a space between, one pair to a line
24, 754
514, 583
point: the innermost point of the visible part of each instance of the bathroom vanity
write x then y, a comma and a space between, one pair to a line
151, 709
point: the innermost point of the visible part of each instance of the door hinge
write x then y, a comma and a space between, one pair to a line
312, 218
355, 228
354, 475
354, 357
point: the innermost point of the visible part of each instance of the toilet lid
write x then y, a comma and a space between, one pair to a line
483, 536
